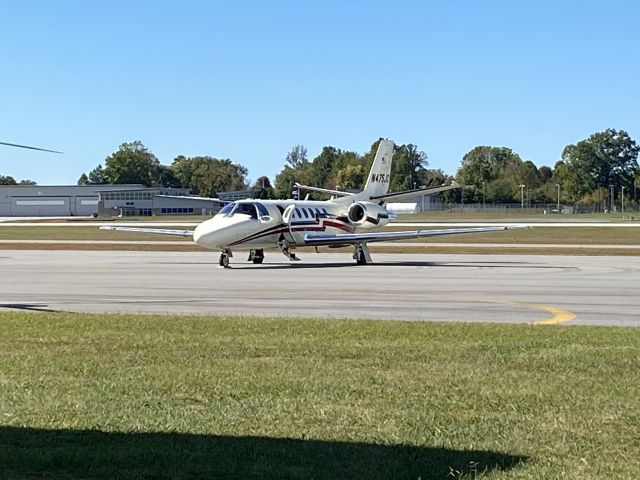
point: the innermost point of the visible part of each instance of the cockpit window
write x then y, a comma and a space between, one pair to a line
254, 210
262, 210
227, 209
247, 209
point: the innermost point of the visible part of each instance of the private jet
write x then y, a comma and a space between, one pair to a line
347, 219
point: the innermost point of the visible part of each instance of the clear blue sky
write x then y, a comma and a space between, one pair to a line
248, 80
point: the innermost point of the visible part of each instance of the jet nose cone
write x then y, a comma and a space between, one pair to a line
204, 235
198, 233
210, 234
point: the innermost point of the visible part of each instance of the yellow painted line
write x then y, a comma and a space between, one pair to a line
558, 315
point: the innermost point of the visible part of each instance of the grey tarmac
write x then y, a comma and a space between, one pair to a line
567, 290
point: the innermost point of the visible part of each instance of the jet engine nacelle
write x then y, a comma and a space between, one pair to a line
367, 215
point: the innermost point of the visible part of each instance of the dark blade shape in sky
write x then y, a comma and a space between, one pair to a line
30, 148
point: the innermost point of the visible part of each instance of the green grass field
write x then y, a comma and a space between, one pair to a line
98, 396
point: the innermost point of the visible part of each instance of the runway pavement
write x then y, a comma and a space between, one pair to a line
489, 288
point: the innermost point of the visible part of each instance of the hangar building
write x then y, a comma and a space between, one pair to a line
109, 200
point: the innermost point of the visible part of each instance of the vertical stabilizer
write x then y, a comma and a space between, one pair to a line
378, 180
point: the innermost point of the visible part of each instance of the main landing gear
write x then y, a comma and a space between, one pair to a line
256, 256
361, 254
284, 248
224, 258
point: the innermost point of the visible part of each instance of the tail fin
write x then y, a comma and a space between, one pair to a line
378, 180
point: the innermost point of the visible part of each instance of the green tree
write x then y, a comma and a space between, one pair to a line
351, 177
605, 158
167, 177
545, 173
132, 163
497, 167
321, 168
7, 180
527, 174
296, 170
262, 188
96, 176
207, 176
83, 180
433, 178
297, 157
407, 168
286, 180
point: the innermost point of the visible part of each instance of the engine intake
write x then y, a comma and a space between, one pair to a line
367, 215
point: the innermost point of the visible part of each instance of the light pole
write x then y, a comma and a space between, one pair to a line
611, 198
522, 187
483, 204
622, 199
558, 187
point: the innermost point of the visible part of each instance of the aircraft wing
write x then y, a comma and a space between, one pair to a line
320, 239
162, 231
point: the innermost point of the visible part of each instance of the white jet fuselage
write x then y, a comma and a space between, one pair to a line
263, 224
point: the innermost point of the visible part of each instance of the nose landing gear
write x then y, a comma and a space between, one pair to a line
224, 258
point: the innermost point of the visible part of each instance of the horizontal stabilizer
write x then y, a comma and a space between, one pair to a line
322, 190
416, 192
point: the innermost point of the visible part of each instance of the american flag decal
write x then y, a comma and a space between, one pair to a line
384, 160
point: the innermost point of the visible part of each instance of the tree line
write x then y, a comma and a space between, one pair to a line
133, 163
587, 173
9, 180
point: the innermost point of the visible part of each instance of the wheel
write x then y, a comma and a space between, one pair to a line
361, 258
256, 256
224, 260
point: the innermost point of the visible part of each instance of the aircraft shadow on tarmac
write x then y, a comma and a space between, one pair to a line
403, 263
33, 307
71, 454
453, 264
